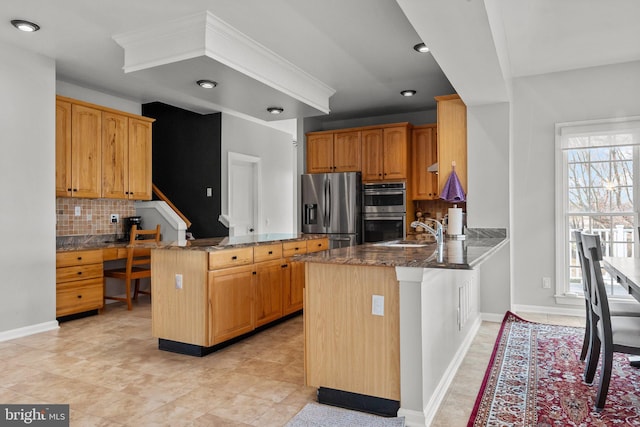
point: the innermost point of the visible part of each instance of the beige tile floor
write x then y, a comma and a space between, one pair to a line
109, 370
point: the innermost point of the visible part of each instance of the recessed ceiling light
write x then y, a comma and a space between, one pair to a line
26, 26
275, 110
408, 92
207, 84
421, 47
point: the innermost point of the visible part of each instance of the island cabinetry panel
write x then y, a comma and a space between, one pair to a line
231, 301
347, 347
293, 283
424, 153
180, 314
78, 282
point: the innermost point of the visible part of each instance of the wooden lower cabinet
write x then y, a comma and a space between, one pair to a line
231, 300
79, 285
225, 293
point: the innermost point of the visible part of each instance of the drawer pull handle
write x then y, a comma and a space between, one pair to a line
79, 296
270, 252
234, 257
79, 273
79, 258
297, 249
254, 273
284, 265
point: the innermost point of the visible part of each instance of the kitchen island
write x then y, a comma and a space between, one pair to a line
215, 291
386, 325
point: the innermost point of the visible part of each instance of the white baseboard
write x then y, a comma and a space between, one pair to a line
425, 418
492, 317
561, 311
28, 330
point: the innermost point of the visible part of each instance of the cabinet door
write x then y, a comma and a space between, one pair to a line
86, 147
115, 156
293, 288
372, 161
139, 160
396, 152
452, 139
63, 149
268, 291
320, 153
231, 296
424, 154
346, 152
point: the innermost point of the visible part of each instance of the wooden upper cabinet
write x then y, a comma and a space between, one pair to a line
86, 164
372, 155
101, 152
385, 153
396, 152
140, 159
452, 139
320, 153
63, 149
115, 156
346, 152
424, 153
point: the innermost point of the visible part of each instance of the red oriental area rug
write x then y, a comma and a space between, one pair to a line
534, 378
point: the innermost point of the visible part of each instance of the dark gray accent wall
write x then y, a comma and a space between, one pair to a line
186, 160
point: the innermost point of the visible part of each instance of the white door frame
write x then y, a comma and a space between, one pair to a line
255, 162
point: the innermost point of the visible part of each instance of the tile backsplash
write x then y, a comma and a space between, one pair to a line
94, 217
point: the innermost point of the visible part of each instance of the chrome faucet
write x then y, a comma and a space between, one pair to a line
437, 233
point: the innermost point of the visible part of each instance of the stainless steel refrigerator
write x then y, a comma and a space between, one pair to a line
331, 204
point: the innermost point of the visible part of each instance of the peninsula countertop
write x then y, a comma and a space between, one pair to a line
457, 254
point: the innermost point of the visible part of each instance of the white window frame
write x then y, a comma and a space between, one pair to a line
562, 244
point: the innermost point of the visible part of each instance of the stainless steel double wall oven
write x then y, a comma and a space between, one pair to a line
384, 211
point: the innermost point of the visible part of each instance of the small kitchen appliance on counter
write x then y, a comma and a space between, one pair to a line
129, 222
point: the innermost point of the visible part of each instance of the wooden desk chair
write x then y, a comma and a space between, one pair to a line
615, 309
138, 264
611, 333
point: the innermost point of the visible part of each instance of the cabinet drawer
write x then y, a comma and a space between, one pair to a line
83, 296
230, 258
78, 272
267, 252
317, 245
111, 254
294, 248
66, 259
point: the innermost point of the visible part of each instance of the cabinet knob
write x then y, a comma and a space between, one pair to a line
79, 258
254, 273
75, 189
270, 252
234, 257
68, 189
79, 296
79, 273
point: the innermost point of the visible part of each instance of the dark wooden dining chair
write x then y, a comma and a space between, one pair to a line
615, 309
138, 264
612, 334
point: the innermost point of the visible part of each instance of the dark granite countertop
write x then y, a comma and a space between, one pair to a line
457, 254
76, 243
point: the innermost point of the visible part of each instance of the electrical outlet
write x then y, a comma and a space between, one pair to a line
115, 218
377, 305
78, 211
546, 282
178, 281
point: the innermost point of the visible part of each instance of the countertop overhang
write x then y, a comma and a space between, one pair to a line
457, 254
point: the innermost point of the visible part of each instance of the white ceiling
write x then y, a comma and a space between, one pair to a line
360, 48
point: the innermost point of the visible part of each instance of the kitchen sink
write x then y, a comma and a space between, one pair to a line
403, 244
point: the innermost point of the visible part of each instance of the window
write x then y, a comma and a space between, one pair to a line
597, 177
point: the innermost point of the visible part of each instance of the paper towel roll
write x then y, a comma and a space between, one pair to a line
454, 224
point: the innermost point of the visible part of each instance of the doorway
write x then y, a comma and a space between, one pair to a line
244, 194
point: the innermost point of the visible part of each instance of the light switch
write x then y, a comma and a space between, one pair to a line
377, 305
178, 281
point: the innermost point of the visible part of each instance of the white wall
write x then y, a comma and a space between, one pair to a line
488, 196
278, 162
27, 190
538, 103
71, 90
